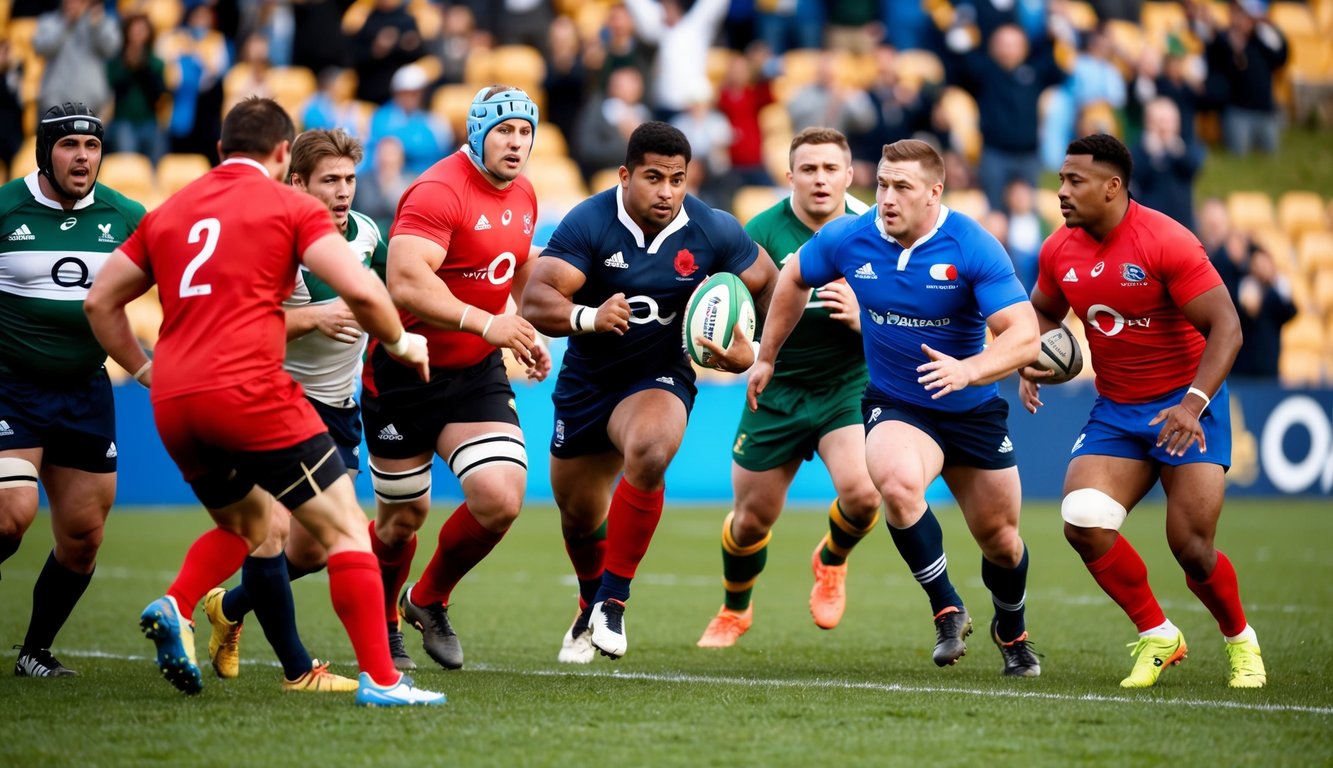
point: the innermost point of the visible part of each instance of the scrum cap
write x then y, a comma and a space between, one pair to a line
486, 113
68, 119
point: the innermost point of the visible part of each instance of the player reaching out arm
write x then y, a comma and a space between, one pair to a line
1163, 333
615, 277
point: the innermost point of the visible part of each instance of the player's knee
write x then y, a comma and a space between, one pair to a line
860, 505
402, 487
902, 496
495, 499
747, 529
1196, 556
398, 523
1003, 546
1091, 508
18, 496
77, 550
646, 464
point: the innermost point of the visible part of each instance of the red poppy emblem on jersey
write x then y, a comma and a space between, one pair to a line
685, 265
943, 272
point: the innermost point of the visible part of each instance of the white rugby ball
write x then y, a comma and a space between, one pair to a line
1060, 352
716, 306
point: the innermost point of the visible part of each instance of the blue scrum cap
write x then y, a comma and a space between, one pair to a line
486, 113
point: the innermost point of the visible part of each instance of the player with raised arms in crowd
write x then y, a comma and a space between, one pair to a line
458, 252
224, 253
57, 414
1163, 332
930, 282
812, 406
324, 349
615, 278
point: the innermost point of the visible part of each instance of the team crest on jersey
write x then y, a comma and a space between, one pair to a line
105, 236
506, 217
943, 272
527, 223
685, 265
1133, 273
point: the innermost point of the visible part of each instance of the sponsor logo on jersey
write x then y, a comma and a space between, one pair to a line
1133, 274
506, 217
22, 233
617, 261
1006, 446
5, 429
390, 433
68, 224
667, 380
111, 451
864, 272
105, 236
903, 321
684, 263
1097, 270
1078, 443
1118, 322
1070, 277
482, 223
943, 272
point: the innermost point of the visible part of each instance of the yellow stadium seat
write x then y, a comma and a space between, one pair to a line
519, 65
292, 87
960, 109
604, 179
1292, 18
428, 16
355, 16
1129, 41
1278, 243
775, 121
1300, 368
777, 152
130, 174
1250, 211
1299, 212
970, 202
1304, 333
1082, 15
555, 177
1162, 18
919, 66
24, 161
550, 142
1315, 252
751, 200
20, 33
718, 61
1321, 292
432, 66
451, 103
1048, 208
174, 171
477, 69
590, 17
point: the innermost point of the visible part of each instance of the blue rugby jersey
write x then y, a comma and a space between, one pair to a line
600, 240
938, 292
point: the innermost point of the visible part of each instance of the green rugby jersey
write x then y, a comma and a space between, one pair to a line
48, 259
820, 350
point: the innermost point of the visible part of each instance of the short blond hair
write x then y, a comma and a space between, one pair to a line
314, 145
915, 150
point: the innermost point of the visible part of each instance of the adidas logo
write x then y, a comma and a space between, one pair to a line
1078, 443
390, 433
22, 233
875, 413
667, 380
865, 272
617, 260
1070, 277
111, 452
5, 429
482, 223
1006, 446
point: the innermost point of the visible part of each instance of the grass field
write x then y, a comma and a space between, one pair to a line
789, 694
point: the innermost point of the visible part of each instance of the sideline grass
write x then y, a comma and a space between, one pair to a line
789, 694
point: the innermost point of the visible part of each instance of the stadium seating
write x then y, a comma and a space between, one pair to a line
969, 202
1315, 252
24, 161
174, 171
919, 67
130, 174
1299, 212
550, 142
1250, 211
451, 102
604, 179
751, 200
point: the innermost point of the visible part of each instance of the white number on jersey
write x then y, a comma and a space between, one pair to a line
211, 229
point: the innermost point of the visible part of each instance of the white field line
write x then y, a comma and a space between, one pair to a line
847, 685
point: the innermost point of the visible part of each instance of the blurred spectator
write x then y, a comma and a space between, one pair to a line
23, 9
1122, 10
853, 26
1095, 79
1007, 82
607, 121
907, 24
682, 38
1177, 76
1214, 224
745, 90
11, 105
514, 22
77, 41
454, 43
273, 20
786, 24
137, 81
424, 138
254, 55
332, 107
387, 41
1264, 305
197, 55
378, 191
901, 111
829, 102
1026, 231
317, 37
566, 82
616, 46
1242, 62
709, 134
1165, 165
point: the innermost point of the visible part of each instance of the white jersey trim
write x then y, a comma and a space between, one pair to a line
677, 224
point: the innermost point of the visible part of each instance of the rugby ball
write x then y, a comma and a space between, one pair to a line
716, 306
1060, 352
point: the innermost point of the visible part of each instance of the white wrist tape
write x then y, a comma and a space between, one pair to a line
486, 328
399, 348
466, 309
1200, 393
143, 370
582, 319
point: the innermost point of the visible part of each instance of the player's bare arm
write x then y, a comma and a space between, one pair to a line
761, 278
1050, 311
540, 366
333, 319
841, 303
784, 311
414, 287
1214, 315
119, 282
1016, 343
367, 299
548, 305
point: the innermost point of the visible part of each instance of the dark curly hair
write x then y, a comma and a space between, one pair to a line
657, 138
1107, 149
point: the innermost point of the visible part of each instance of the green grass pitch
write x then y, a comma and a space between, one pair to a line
865, 693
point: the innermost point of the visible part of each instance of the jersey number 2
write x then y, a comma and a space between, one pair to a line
210, 228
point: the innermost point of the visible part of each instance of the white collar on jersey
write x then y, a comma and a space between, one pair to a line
246, 161
677, 224
42, 199
906, 255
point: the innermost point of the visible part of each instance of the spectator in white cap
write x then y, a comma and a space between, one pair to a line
425, 138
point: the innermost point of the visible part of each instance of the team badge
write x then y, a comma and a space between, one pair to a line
1133, 273
685, 265
506, 217
527, 223
943, 272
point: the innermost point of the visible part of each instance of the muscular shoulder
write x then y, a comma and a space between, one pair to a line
1161, 236
596, 212
14, 195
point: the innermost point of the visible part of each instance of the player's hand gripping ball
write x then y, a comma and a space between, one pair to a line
1061, 353
719, 303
